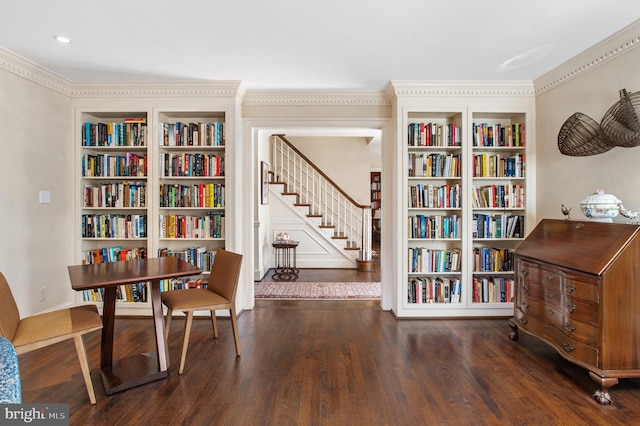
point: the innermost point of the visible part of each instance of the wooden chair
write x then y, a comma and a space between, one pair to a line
37, 331
219, 294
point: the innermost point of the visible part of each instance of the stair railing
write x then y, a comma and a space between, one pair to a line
324, 197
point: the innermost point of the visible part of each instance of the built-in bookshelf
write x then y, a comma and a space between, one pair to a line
376, 205
434, 208
153, 176
113, 167
191, 189
467, 202
498, 196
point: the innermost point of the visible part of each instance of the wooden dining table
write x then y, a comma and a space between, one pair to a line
138, 369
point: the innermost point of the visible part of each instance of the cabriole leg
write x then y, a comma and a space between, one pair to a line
602, 395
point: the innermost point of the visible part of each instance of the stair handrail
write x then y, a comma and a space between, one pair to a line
364, 232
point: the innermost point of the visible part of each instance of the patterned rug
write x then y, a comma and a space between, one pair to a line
319, 290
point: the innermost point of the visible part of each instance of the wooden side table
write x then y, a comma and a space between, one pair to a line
285, 260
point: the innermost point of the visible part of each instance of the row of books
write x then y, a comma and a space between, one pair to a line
494, 165
439, 197
497, 226
130, 132
191, 164
108, 165
183, 283
434, 227
112, 254
124, 293
434, 165
492, 259
427, 260
493, 290
202, 257
434, 290
434, 134
114, 226
197, 195
192, 134
498, 135
115, 194
212, 225
499, 196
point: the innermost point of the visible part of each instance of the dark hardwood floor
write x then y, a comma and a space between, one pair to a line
334, 363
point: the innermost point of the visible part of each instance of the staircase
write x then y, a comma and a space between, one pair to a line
320, 202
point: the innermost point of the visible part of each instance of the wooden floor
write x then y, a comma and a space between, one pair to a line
334, 275
334, 363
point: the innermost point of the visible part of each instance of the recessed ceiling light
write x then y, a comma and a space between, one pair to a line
62, 39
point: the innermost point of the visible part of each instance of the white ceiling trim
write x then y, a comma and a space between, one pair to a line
33, 72
230, 88
610, 48
315, 98
464, 88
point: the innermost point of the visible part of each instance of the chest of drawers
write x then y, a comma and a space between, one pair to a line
578, 290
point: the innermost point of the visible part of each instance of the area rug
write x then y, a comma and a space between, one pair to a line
318, 290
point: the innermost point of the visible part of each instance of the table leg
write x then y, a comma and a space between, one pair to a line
137, 369
158, 321
108, 318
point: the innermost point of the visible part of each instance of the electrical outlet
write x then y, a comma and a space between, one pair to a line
44, 197
43, 294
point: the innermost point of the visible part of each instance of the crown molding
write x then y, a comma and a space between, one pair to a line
22, 67
466, 88
610, 48
315, 98
108, 89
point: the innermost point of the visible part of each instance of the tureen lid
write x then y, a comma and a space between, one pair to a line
599, 197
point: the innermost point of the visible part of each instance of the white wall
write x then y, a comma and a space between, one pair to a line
345, 160
563, 179
37, 239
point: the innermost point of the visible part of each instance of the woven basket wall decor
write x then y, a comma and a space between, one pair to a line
581, 136
621, 123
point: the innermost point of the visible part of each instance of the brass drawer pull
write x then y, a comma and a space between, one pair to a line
550, 294
568, 346
570, 288
570, 327
550, 312
549, 277
571, 307
547, 329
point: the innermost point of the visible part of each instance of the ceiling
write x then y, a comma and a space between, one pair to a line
307, 44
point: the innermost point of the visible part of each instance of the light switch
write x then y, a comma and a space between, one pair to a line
45, 197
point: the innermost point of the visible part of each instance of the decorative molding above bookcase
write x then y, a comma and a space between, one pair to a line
154, 179
468, 198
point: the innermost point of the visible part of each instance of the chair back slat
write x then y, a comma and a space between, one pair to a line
225, 273
9, 314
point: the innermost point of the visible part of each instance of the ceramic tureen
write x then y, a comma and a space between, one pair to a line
600, 206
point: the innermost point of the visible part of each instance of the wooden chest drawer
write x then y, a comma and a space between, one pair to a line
570, 326
556, 338
569, 306
580, 286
